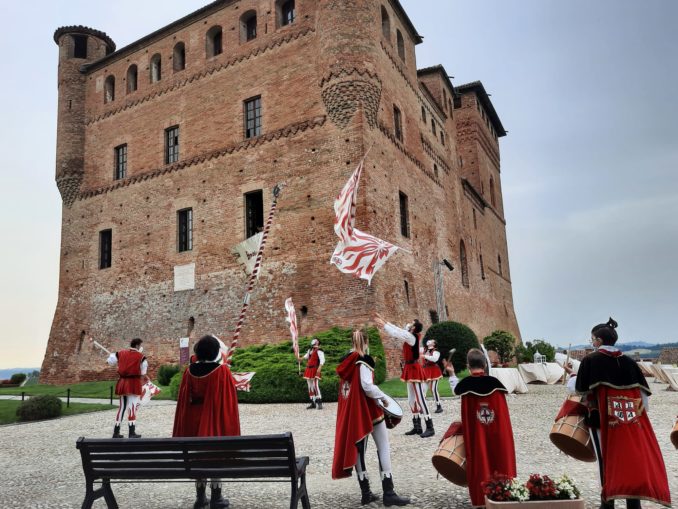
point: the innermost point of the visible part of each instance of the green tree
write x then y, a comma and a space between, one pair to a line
525, 353
502, 342
449, 335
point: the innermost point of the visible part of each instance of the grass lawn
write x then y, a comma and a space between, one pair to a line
8, 409
397, 389
82, 390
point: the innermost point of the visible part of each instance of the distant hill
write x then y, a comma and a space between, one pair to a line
7, 373
646, 350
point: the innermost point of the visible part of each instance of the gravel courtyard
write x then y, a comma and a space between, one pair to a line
41, 467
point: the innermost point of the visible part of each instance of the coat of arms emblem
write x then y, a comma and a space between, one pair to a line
485, 414
345, 389
623, 410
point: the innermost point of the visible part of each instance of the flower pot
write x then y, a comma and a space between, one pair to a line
537, 504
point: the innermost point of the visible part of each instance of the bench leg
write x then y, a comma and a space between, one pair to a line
108, 495
305, 503
89, 496
299, 493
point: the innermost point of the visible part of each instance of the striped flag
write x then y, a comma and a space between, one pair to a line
357, 253
292, 320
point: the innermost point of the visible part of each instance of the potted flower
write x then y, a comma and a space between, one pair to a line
539, 492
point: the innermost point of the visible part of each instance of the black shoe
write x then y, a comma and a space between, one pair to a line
319, 404
132, 432
416, 430
116, 432
429, 429
216, 500
311, 406
366, 493
607, 505
390, 496
201, 501
633, 503
439, 410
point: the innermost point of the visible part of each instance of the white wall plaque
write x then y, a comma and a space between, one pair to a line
184, 277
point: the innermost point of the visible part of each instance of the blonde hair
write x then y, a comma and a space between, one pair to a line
360, 342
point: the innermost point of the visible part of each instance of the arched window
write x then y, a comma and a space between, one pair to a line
179, 57
213, 42
499, 264
156, 68
435, 170
401, 45
464, 264
109, 89
132, 79
492, 198
286, 13
248, 26
385, 23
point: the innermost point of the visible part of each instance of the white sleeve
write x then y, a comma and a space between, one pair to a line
371, 390
433, 357
453, 382
571, 384
144, 367
112, 359
305, 356
321, 357
398, 333
646, 399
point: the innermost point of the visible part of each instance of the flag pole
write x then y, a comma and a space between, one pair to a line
254, 275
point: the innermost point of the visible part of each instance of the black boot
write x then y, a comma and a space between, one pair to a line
416, 430
390, 496
429, 429
201, 501
216, 500
607, 505
633, 503
439, 410
132, 432
116, 432
319, 404
311, 406
366, 493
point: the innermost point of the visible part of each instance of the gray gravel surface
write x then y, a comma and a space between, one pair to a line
41, 467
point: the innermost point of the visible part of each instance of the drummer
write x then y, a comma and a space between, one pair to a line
358, 416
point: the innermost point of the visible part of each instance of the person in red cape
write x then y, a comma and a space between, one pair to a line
315, 360
412, 373
432, 372
630, 462
207, 406
486, 426
132, 368
358, 416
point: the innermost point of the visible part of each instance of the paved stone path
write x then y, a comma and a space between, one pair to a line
41, 467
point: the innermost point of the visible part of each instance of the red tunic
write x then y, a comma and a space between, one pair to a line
207, 405
356, 416
129, 369
488, 435
412, 370
431, 370
312, 365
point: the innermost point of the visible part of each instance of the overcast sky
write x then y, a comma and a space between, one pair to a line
587, 91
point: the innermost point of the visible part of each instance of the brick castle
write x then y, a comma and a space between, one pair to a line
167, 151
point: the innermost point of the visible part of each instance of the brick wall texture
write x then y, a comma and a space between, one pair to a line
328, 84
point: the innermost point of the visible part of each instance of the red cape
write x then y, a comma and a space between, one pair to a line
356, 414
633, 466
488, 436
207, 406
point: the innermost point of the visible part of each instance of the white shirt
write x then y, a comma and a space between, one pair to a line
371, 390
401, 334
432, 357
113, 361
453, 382
321, 356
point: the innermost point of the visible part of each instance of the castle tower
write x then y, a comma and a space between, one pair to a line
78, 45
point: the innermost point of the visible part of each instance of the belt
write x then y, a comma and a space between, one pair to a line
312, 367
130, 376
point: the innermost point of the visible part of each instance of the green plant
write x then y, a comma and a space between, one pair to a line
18, 378
525, 352
449, 335
502, 342
175, 382
38, 408
166, 372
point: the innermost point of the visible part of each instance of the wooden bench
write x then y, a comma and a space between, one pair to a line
264, 458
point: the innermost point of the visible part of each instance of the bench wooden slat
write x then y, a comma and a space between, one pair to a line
250, 453
216, 464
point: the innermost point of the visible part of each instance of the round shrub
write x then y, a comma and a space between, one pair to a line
449, 335
175, 382
18, 378
166, 372
39, 408
502, 342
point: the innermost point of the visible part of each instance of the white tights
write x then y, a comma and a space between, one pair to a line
313, 388
380, 435
129, 403
416, 396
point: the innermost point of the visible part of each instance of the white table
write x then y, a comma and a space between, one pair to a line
510, 378
547, 373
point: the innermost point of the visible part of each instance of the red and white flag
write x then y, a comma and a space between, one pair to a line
292, 320
357, 253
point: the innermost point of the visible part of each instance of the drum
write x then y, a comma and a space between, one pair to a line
450, 460
393, 413
570, 434
674, 435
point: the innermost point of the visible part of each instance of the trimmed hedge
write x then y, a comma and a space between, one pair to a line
39, 408
166, 372
450, 335
18, 378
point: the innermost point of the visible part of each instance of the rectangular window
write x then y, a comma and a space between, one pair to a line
105, 246
442, 138
434, 316
397, 123
172, 144
251, 27
457, 103
288, 13
254, 213
404, 215
253, 117
79, 46
185, 230
407, 290
120, 170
